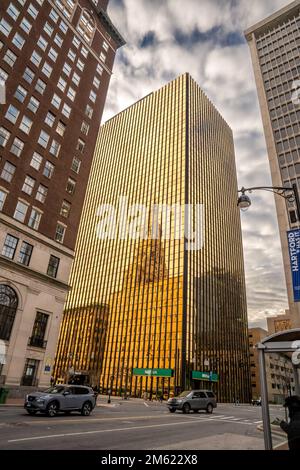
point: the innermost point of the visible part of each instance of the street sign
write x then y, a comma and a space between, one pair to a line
153, 372
206, 376
47, 365
294, 250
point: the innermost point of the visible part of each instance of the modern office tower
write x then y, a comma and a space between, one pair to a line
274, 45
175, 304
56, 59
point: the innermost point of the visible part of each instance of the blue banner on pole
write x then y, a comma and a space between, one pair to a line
294, 250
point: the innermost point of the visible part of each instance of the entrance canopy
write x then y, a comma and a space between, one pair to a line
288, 343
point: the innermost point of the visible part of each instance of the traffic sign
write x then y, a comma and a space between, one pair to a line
206, 376
153, 372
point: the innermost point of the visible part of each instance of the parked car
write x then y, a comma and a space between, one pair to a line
194, 400
65, 398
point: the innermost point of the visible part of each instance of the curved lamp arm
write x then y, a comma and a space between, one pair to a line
290, 194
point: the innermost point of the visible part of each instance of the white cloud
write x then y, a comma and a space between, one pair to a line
225, 73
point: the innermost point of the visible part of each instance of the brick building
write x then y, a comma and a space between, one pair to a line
56, 60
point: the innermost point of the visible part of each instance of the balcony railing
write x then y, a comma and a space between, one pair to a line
37, 342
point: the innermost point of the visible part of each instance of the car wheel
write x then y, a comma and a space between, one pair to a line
52, 409
86, 409
186, 408
32, 412
172, 410
209, 408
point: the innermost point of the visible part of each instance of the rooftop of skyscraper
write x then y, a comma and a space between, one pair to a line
273, 20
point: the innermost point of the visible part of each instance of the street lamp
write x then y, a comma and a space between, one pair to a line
288, 193
110, 390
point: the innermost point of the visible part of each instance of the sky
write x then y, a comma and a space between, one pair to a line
166, 38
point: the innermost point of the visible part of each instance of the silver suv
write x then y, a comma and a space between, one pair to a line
193, 400
64, 398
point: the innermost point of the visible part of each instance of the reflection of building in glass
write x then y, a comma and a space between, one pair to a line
169, 308
279, 370
82, 354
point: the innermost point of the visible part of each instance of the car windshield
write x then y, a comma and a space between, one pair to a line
185, 394
57, 389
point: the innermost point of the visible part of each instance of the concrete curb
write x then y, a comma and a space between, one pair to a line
11, 404
274, 430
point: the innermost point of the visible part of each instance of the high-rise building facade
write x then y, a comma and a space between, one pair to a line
274, 45
173, 310
56, 59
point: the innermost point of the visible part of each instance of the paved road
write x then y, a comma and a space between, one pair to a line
133, 425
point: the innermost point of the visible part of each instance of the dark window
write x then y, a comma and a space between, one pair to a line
293, 217
199, 395
25, 253
53, 266
80, 391
8, 309
210, 394
30, 372
9, 247
39, 331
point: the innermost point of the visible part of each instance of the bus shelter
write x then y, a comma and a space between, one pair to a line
287, 343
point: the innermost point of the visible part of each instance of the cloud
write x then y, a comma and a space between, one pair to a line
205, 38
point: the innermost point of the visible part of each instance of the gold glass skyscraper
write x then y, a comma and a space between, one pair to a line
168, 311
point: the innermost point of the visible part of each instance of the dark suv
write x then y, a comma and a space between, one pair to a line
193, 400
64, 398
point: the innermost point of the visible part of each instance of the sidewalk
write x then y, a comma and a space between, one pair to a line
13, 402
276, 431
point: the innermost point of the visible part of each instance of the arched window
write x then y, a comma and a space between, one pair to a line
8, 309
86, 26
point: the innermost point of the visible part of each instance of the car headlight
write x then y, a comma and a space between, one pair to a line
178, 401
40, 400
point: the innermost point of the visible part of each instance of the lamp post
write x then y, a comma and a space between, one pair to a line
290, 194
110, 390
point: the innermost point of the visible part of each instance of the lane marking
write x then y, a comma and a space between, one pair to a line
132, 428
192, 420
223, 420
83, 420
